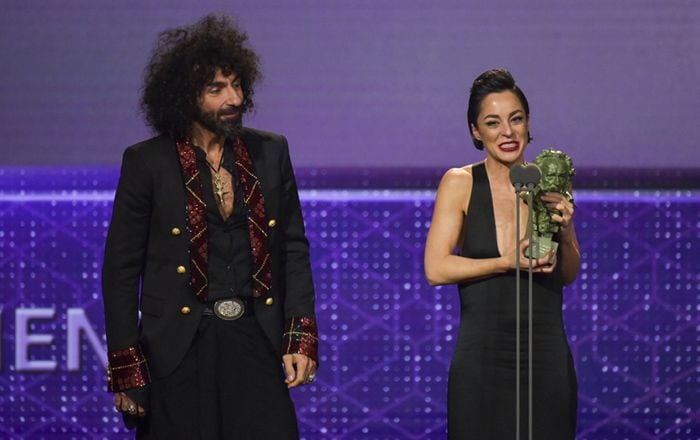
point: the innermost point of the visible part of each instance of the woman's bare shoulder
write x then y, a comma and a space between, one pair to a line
460, 177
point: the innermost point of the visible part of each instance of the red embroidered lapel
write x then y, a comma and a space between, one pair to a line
196, 218
257, 220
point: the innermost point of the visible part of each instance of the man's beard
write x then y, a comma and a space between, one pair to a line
229, 129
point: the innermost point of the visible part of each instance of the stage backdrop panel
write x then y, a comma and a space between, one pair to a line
368, 83
387, 337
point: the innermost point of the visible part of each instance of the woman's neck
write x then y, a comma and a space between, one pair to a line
499, 172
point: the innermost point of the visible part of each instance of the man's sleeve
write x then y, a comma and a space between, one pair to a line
125, 251
300, 330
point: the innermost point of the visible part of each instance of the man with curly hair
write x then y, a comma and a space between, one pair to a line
207, 286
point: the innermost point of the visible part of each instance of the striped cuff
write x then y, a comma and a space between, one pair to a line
301, 336
127, 369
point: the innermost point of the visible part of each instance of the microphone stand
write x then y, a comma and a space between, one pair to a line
529, 317
523, 183
518, 188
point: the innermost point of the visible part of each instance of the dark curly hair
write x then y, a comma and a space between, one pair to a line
491, 81
184, 61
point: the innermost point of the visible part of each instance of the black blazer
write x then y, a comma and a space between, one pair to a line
148, 241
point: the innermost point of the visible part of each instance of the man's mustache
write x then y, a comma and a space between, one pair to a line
231, 111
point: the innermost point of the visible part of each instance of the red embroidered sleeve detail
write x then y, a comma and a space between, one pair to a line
127, 369
301, 336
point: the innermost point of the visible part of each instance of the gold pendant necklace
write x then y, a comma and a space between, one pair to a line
219, 184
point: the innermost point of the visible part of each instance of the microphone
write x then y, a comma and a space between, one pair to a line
525, 177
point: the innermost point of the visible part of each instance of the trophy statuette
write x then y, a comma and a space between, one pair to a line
557, 170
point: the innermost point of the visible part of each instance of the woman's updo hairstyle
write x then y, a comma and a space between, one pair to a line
491, 81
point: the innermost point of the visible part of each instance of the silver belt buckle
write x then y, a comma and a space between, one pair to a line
229, 309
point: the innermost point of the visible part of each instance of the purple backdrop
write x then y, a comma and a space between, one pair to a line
369, 82
387, 337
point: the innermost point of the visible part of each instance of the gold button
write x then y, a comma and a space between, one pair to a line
181, 269
269, 301
185, 310
175, 231
272, 223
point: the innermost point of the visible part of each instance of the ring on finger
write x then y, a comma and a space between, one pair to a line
131, 409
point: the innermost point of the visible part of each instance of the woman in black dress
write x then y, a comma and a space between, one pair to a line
475, 213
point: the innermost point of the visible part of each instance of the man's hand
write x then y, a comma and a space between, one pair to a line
128, 406
299, 369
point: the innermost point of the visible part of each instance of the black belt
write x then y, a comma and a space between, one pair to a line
230, 309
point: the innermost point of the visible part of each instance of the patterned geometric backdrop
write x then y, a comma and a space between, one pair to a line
387, 337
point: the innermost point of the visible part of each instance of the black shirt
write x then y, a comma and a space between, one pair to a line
229, 257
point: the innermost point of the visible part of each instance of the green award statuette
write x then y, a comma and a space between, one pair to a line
557, 169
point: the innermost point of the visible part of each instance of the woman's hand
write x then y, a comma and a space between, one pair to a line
569, 253
563, 213
545, 264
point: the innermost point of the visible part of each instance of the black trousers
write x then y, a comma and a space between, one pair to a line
229, 386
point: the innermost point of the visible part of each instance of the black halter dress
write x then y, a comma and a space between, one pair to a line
482, 378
